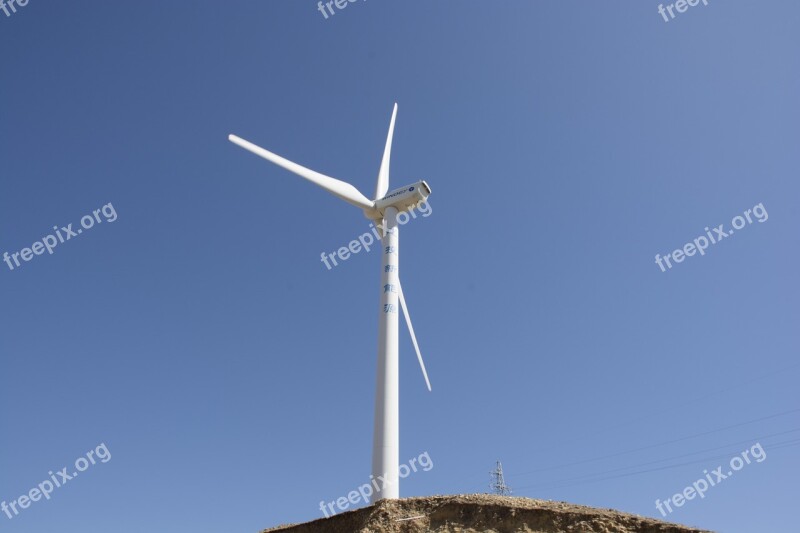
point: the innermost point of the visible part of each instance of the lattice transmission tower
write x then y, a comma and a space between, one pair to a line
498, 484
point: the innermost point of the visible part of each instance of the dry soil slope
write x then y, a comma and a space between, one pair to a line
485, 514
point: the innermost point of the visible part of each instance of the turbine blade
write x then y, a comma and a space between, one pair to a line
383, 175
411, 331
339, 188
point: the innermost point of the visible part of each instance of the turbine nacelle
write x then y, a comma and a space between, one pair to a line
403, 199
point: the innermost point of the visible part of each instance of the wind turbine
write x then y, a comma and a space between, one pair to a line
383, 210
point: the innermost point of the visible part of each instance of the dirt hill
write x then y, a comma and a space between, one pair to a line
481, 513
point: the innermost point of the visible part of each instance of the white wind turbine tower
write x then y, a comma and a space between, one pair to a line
383, 210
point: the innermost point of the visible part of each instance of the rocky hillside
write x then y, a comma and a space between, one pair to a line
485, 514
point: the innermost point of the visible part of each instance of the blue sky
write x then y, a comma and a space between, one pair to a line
231, 375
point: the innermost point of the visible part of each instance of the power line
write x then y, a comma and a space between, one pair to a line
584, 461
777, 446
590, 476
689, 402
718, 391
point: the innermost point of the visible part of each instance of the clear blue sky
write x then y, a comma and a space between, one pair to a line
231, 375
